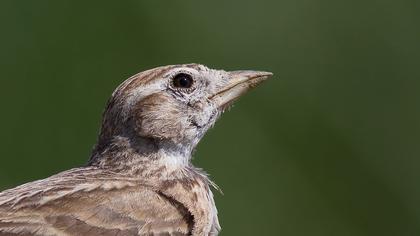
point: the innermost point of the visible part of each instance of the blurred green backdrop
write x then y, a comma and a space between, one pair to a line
330, 146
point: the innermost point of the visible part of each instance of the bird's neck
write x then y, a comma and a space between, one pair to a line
143, 158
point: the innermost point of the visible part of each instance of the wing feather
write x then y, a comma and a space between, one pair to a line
91, 201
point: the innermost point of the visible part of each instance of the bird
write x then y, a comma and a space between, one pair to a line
139, 179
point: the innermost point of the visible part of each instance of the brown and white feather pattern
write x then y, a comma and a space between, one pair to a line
93, 201
139, 179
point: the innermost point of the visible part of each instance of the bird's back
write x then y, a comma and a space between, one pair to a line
91, 201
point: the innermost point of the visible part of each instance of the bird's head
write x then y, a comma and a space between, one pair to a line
171, 107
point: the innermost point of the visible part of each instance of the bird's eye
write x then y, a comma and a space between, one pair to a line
183, 80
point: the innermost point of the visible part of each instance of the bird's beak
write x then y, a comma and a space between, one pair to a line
239, 82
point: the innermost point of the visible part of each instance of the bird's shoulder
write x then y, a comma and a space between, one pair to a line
91, 201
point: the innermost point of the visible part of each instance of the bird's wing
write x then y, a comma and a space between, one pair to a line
89, 201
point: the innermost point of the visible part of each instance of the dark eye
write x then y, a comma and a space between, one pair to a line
183, 80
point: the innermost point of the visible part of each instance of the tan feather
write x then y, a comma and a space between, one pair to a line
92, 201
139, 179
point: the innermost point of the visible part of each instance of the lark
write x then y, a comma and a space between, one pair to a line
139, 179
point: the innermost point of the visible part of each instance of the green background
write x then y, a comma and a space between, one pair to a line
329, 146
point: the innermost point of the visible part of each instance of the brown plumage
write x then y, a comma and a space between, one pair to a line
139, 180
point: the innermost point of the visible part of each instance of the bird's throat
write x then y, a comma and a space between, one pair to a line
143, 158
